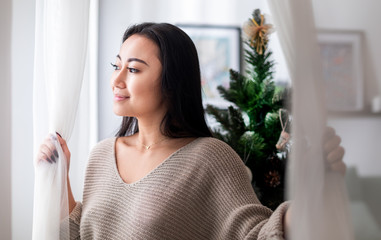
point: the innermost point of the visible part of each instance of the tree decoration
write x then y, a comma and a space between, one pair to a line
284, 136
256, 29
251, 125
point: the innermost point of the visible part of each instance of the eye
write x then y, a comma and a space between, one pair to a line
115, 66
132, 70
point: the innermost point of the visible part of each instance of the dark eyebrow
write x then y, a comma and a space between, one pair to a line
133, 59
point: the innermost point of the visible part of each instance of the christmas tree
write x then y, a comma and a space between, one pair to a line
252, 125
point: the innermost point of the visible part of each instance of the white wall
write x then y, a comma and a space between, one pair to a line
5, 119
356, 15
360, 133
361, 140
22, 135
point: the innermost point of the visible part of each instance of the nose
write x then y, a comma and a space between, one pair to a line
118, 79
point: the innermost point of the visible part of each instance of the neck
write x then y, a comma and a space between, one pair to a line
149, 131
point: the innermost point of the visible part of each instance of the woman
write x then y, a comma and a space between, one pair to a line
163, 176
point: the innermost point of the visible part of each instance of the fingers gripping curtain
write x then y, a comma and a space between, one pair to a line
320, 205
60, 50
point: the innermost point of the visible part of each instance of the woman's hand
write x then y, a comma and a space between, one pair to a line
48, 151
333, 152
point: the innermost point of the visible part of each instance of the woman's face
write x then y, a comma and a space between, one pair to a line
136, 81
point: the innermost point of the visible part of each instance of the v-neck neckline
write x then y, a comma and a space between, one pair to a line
121, 181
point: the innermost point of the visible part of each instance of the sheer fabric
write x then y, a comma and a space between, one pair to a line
60, 53
319, 198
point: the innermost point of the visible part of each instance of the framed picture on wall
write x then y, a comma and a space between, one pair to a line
219, 49
341, 53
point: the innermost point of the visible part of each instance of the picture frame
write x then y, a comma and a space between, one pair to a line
342, 65
219, 49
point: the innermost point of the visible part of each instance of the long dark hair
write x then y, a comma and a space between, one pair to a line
180, 82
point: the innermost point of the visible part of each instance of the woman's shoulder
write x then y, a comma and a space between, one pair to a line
106, 141
219, 160
103, 147
214, 151
212, 145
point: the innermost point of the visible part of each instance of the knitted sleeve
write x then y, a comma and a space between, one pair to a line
237, 208
75, 219
74, 222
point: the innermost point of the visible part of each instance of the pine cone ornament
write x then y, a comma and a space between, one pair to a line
272, 178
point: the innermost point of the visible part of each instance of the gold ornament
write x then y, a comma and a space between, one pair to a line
257, 33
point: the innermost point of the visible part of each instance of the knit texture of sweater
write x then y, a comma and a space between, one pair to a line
201, 191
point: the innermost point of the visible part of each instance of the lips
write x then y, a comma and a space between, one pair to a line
118, 97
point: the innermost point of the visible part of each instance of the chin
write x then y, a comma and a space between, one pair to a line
119, 112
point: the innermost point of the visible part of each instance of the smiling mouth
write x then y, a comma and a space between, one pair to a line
120, 98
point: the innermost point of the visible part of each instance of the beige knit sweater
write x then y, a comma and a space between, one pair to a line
201, 191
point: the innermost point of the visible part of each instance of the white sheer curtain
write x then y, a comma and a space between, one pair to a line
319, 198
60, 54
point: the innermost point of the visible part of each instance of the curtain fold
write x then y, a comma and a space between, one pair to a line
319, 199
60, 53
